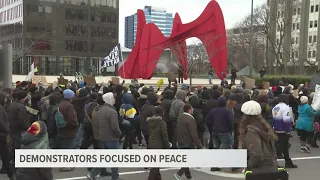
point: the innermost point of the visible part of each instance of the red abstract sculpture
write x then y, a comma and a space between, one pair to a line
209, 27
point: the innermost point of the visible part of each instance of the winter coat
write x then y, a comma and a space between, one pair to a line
208, 106
35, 104
128, 112
18, 118
118, 102
177, 105
197, 114
238, 114
282, 118
261, 149
44, 107
51, 122
79, 103
88, 109
4, 123
108, 123
142, 100
148, 110
158, 135
306, 116
186, 130
70, 116
266, 109
221, 119
94, 122
34, 142
166, 103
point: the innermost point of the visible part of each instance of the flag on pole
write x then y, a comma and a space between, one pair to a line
113, 58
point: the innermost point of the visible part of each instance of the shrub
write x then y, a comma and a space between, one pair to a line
274, 80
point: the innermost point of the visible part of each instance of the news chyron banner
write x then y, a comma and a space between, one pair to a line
40, 158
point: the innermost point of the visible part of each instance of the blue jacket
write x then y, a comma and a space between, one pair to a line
127, 111
306, 116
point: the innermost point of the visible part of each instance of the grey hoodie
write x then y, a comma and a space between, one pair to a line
177, 105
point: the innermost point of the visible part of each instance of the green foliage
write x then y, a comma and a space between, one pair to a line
292, 79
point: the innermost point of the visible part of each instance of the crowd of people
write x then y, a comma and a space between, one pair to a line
77, 116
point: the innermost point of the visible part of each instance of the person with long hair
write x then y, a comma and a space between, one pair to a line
258, 137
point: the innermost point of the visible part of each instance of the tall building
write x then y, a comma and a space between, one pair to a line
156, 15
60, 36
303, 27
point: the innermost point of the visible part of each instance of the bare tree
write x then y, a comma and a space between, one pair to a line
32, 45
261, 18
239, 41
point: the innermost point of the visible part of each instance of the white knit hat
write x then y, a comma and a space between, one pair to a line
304, 99
251, 108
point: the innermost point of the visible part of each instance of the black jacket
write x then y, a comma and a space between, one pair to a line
238, 114
18, 118
168, 95
197, 114
4, 123
51, 122
79, 103
148, 110
208, 106
221, 119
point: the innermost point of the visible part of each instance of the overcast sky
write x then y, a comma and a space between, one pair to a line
233, 10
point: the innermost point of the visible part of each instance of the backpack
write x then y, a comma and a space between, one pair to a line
60, 121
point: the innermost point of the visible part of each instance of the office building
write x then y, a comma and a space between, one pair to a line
303, 18
60, 36
158, 16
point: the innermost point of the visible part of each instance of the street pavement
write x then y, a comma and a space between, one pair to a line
308, 168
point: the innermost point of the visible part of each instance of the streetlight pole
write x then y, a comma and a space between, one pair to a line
251, 40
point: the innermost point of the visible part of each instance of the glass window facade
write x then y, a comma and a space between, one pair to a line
158, 16
64, 35
70, 65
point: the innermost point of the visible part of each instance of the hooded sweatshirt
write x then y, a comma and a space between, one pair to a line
127, 111
108, 122
221, 119
177, 106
